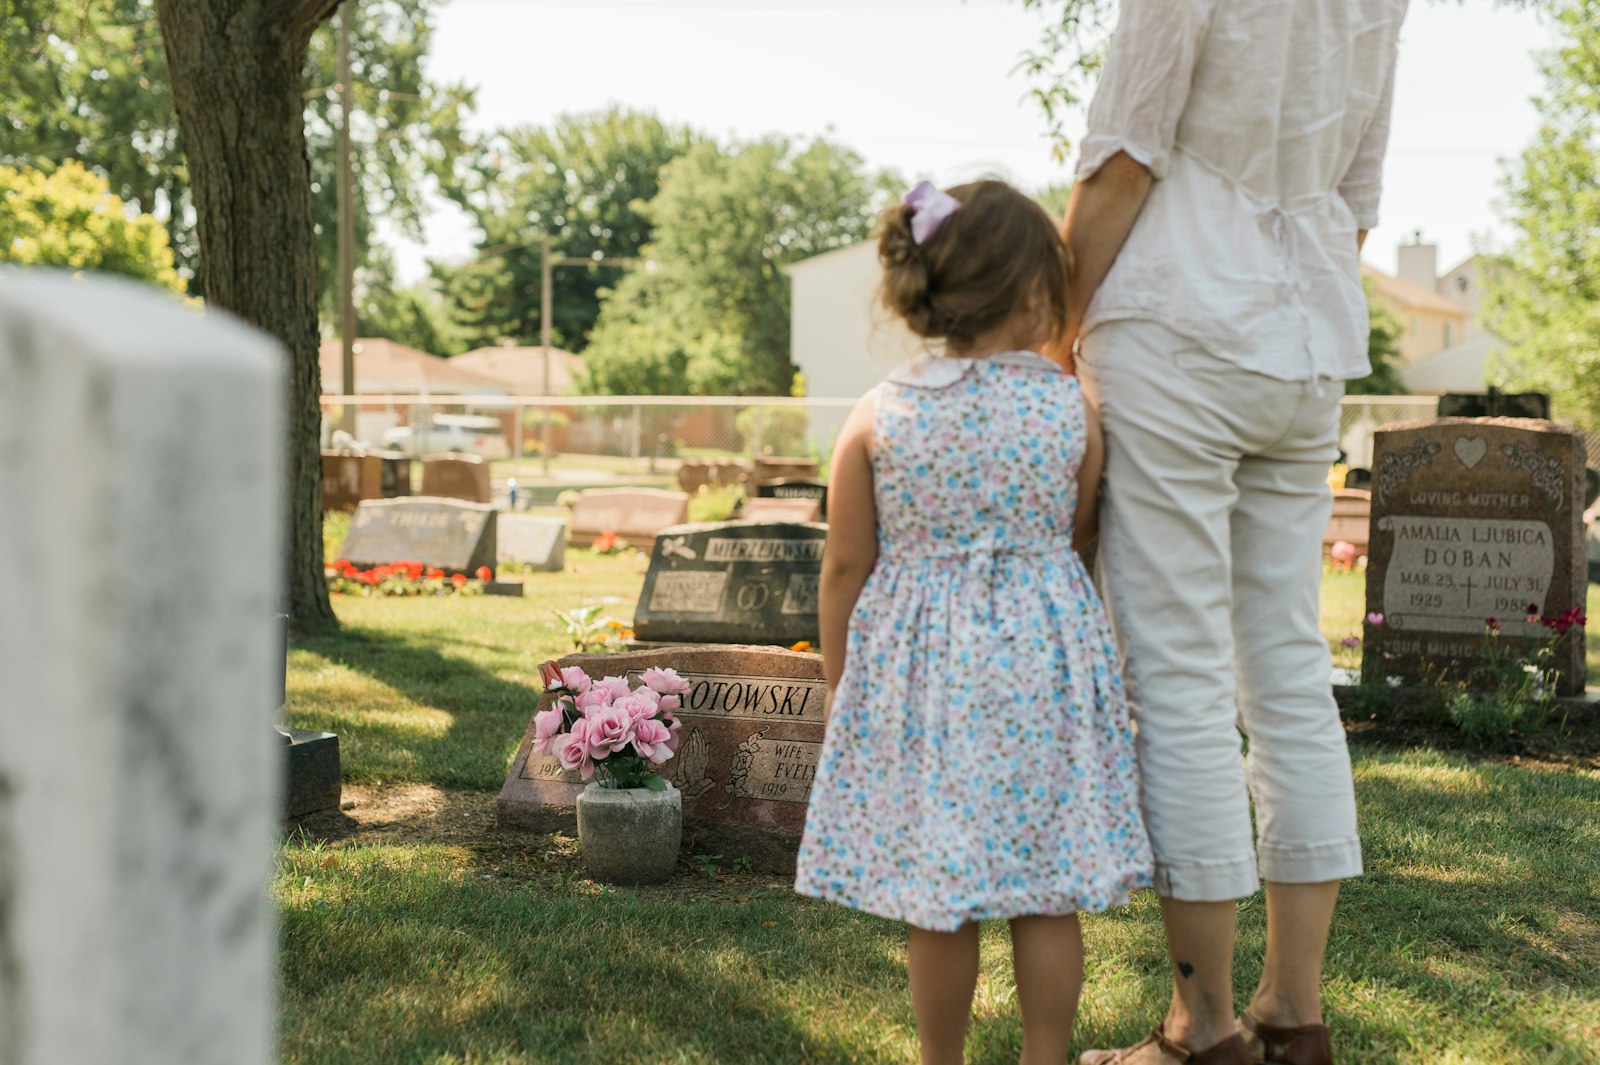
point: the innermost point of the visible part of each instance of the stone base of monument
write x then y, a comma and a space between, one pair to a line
630, 835
313, 779
504, 588
752, 728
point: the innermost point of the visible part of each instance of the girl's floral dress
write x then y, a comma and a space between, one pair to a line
978, 760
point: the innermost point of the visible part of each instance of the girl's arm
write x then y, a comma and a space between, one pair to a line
1086, 522
852, 536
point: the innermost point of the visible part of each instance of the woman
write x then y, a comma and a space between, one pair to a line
1230, 173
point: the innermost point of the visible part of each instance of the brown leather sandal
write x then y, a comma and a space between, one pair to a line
1306, 1045
1231, 1051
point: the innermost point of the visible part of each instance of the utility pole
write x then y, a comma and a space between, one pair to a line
547, 268
347, 226
546, 285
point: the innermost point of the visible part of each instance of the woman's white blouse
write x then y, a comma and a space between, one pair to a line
1265, 123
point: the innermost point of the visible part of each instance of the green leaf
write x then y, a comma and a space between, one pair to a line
655, 783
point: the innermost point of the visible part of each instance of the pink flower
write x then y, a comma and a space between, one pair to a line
592, 700
673, 738
1344, 551
636, 707
1350, 641
665, 681
614, 687
610, 730
669, 703
1374, 618
546, 727
575, 679
650, 741
572, 750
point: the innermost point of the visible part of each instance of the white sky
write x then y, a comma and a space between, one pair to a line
925, 87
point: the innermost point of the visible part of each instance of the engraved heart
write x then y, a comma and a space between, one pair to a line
1471, 449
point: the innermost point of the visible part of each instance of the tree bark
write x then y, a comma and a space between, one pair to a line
237, 74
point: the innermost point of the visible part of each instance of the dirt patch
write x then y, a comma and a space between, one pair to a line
422, 813
1569, 738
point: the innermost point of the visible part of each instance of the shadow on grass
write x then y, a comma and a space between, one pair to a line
396, 958
1473, 936
487, 714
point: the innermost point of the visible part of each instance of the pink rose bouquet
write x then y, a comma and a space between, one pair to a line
609, 725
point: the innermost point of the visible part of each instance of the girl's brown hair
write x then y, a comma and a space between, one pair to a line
998, 249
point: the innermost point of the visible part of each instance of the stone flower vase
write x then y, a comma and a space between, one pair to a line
630, 835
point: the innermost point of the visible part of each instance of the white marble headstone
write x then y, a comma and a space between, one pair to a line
139, 533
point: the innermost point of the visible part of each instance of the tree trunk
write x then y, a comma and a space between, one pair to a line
237, 74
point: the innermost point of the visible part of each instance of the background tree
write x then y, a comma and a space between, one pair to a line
1383, 352
93, 87
69, 218
415, 315
1543, 295
585, 180
237, 76
713, 317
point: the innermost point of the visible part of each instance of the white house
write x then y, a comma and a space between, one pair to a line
841, 337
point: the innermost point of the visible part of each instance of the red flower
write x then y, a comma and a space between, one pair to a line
606, 541
342, 564
1491, 624
436, 574
459, 580
485, 573
550, 673
413, 570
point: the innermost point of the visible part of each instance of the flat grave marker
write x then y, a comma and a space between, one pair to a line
1473, 519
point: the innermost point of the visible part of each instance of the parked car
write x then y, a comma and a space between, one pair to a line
466, 433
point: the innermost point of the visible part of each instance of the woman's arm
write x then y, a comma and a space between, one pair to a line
1100, 216
1086, 522
852, 548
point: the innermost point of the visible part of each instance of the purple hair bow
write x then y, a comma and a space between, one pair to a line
929, 208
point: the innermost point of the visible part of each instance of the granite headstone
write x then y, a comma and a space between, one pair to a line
533, 540
446, 533
139, 775
1474, 519
780, 510
797, 488
733, 582
635, 514
457, 477
751, 735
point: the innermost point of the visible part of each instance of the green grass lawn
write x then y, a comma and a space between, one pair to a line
1475, 936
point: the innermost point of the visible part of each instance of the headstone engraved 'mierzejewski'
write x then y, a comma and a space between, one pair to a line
454, 536
733, 582
1474, 518
750, 738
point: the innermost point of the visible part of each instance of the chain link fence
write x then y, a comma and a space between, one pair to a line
547, 446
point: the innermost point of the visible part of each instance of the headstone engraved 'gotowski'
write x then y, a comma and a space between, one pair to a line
1473, 518
750, 739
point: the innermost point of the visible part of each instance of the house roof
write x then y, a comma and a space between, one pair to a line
1410, 294
384, 366
522, 369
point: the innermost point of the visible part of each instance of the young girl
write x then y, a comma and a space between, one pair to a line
978, 761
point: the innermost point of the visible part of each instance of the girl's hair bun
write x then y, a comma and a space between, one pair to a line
998, 249
905, 272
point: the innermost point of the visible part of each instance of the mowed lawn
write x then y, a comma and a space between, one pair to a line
1475, 936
